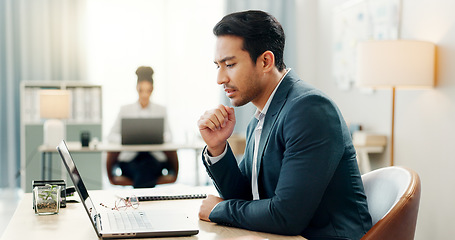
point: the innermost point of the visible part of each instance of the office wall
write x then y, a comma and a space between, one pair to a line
168, 35
424, 120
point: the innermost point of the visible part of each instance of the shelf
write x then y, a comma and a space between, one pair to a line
86, 115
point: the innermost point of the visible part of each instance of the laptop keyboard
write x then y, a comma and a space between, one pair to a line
128, 220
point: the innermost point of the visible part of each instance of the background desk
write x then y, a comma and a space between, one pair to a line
75, 147
363, 157
72, 222
366, 143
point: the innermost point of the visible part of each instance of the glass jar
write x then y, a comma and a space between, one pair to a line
46, 199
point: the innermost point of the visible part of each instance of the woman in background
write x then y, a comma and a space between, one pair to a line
141, 169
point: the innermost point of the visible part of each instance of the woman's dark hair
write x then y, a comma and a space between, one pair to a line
144, 74
260, 32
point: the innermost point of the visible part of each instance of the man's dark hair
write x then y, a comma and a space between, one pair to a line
260, 32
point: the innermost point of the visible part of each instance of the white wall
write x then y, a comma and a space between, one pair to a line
424, 120
173, 38
307, 29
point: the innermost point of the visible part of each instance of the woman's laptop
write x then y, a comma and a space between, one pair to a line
142, 131
141, 223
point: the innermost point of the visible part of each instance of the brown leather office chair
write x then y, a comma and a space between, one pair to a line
393, 195
112, 158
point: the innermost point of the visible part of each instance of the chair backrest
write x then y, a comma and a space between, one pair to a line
115, 179
393, 196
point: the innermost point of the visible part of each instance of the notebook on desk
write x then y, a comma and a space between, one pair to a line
174, 191
136, 131
143, 223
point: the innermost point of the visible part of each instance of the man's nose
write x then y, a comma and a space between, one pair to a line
222, 77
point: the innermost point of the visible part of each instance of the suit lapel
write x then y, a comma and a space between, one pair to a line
272, 113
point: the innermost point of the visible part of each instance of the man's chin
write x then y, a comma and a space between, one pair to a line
238, 102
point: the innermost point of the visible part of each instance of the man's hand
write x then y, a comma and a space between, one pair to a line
207, 206
216, 127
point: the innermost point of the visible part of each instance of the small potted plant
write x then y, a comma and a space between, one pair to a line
47, 199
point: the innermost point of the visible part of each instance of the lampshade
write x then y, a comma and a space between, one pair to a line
55, 104
395, 63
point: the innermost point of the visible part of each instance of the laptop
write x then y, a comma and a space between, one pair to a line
151, 223
136, 131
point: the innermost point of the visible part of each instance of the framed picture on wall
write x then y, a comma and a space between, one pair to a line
360, 20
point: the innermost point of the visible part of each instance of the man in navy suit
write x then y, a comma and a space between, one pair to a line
299, 173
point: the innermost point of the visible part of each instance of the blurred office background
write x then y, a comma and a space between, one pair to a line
104, 41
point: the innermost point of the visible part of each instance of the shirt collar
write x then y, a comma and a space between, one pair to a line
267, 104
139, 106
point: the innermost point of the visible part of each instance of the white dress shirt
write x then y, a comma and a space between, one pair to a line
260, 116
135, 110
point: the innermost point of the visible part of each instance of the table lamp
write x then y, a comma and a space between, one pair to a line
54, 106
395, 64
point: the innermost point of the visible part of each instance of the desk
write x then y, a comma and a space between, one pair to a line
72, 222
76, 147
366, 143
362, 155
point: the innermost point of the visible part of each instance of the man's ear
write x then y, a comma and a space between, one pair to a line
267, 60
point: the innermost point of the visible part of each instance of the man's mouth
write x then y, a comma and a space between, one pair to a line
230, 92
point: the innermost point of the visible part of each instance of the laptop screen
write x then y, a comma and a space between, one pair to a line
169, 224
77, 181
142, 131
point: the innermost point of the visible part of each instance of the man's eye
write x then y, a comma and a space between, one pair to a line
230, 65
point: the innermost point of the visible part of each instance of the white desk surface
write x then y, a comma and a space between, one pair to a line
72, 222
108, 147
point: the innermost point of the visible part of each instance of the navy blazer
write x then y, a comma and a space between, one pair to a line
309, 181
